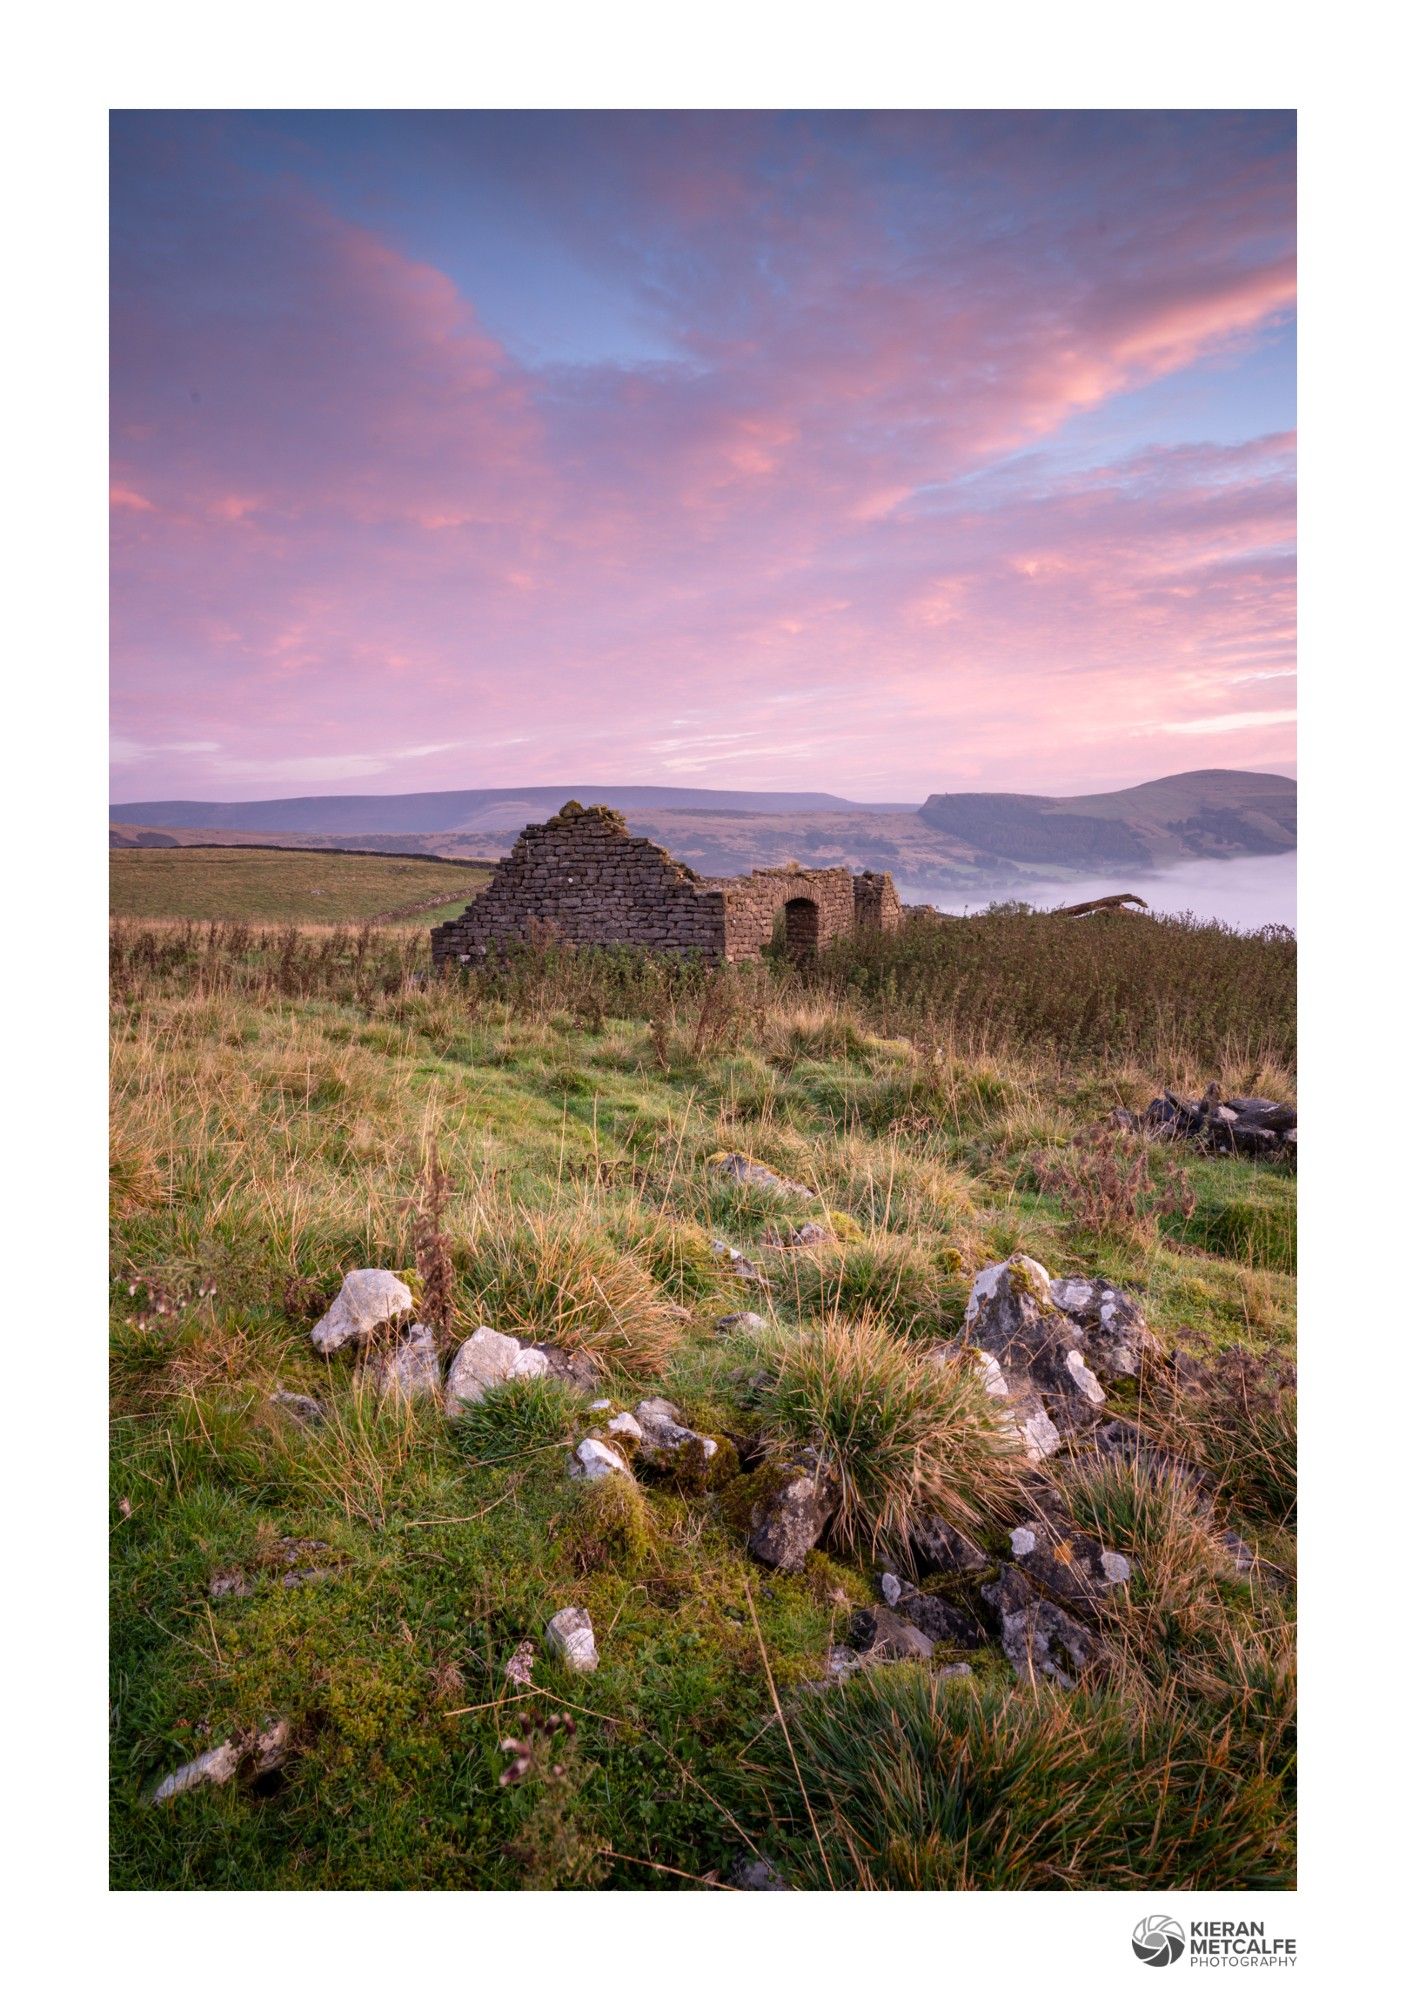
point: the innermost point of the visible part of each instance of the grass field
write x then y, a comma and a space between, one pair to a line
276, 1096
264, 886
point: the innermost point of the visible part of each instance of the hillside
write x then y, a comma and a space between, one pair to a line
260, 885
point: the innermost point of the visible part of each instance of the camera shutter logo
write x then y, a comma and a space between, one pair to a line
1159, 1941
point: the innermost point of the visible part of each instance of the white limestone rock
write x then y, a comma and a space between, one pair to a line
592, 1459
485, 1360
367, 1301
570, 1638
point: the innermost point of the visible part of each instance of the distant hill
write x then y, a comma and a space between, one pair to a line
461, 812
957, 844
1209, 813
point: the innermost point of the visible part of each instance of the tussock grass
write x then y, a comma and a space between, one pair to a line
903, 1433
919, 1783
558, 1278
527, 1414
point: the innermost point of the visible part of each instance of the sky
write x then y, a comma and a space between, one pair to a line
878, 454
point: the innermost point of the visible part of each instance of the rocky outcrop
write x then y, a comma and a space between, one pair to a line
1032, 1356
943, 1623
1264, 1127
1064, 1563
938, 1547
1038, 1636
1117, 1340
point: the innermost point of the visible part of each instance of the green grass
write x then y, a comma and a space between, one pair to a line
273, 1096
268, 886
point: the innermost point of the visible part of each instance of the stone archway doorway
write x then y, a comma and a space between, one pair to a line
802, 918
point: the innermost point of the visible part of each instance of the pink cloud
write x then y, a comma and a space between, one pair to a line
350, 521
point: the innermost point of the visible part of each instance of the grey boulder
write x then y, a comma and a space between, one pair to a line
408, 1370
789, 1520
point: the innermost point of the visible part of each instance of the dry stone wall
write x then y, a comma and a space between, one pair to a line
582, 877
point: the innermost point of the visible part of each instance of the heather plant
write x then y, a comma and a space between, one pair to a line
1114, 1182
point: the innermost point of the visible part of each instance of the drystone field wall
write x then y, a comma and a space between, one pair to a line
584, 878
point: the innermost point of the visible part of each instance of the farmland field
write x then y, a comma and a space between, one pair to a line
270, 885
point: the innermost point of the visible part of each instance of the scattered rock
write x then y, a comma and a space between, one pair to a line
742, 1267
745, 1322
670, 1450
625, 1425
254, 1753
569, 1365
780, 1236
943, 1623
1242, 1556
569, 1638
367, 1301
1039, 1637
485, 1360
304, 1410
891, 1588
937, 1545
1013, 1320
840, 1663
881, 1634
230, 1583
519, 1667
409, 1369
754, 1871
788, 1522
594, 1460
755, 1173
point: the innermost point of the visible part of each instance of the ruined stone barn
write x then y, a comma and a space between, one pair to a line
584, 878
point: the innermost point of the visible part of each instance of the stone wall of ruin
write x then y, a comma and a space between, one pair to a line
752, 904
583, 877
